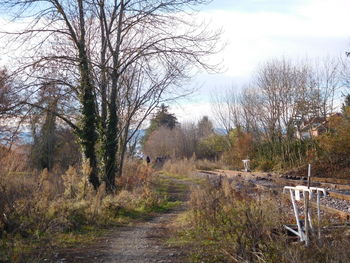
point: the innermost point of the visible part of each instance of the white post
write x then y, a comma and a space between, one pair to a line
296, 213
307, 196
246, 165
318, 216
306, 214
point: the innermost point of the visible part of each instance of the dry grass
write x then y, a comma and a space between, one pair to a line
136, 173
40, 206
184, 167
229, 226
225, 225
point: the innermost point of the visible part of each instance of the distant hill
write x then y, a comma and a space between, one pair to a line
220, 131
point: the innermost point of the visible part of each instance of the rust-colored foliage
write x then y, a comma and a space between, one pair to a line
241, 148
135, 173
337, 140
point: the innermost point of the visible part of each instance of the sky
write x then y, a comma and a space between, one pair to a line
258, 30
255, 31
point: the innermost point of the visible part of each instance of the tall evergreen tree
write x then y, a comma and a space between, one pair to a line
164, 119
161, 119
205, 127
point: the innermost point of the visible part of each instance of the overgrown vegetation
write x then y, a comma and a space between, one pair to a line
41, 211
227, 225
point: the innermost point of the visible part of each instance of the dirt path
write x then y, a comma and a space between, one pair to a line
143, 242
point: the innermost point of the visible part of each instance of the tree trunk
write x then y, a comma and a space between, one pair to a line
48, 138
88, 136
111, 146
122, 147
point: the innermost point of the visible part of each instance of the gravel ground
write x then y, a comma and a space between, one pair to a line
343, 205
143, 242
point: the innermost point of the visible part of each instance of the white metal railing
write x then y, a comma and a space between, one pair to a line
302, 192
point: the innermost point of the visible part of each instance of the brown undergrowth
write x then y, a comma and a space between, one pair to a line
40, 211
227, 225
186, 167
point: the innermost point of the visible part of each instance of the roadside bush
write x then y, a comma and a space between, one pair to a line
227, 225
241, 146
263, 165
136, 173
36, 207
212, 147
336, 142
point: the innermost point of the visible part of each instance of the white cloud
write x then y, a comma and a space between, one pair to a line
313, 28
255, 37
192, 111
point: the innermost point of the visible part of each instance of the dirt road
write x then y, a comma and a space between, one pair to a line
142, 242
145, 243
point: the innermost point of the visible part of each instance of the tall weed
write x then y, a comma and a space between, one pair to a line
36, 206
227, 225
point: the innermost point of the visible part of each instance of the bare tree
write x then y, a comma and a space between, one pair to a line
164, 142
9, 110
327, 81
252, 116
116, 58
227, 109
281, 96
